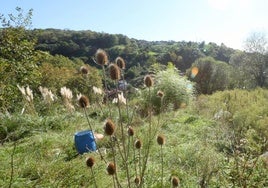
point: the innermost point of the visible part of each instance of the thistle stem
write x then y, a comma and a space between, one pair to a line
12, 165
147, 149
106, 90
125, 158
94, 179
114, 160
90, 127
162, 165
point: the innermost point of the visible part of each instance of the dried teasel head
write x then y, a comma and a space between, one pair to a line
114, 72
175, 181
101, 57
90, 162
160, 140
138, 144
109, 127
160, 93
137, 181
120, 62
83, 101
148, 81
111, 168
84, 70
130, 131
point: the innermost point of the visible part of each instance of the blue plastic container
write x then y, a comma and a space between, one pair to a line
84, 141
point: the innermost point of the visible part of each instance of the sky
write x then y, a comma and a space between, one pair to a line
220, 21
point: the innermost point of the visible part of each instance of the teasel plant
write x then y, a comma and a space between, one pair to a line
161, 141
148, 82
109, 130
111, 170
130, 133
101, 59
83, 102
132, 156
161, 95
120, 62
115, 75
90, 162
175, 182
138, 159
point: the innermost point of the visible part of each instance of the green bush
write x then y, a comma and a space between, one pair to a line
212, 75
177, 90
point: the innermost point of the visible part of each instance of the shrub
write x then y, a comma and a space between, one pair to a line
176, 90
212, 75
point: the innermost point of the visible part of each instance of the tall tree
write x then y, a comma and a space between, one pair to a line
256, 46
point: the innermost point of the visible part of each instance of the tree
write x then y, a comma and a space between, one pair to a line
18, 58
256, 46
212, 75
241, 77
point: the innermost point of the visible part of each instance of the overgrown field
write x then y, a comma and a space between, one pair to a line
216, 141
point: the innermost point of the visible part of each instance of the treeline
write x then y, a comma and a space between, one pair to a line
83, 45
226, 68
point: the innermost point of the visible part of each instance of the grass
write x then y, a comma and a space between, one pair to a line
49, 157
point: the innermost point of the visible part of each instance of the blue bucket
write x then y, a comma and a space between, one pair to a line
84, 141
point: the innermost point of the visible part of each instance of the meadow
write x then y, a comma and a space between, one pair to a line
162, 135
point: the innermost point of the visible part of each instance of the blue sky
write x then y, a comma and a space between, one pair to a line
220, 21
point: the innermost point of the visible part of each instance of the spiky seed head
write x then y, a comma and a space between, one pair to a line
111, 168
160, 93
101, 57
90, 162
175, 181
137, 181
130, 131
109, 127
138, 144
148, 81
83, 101
84, 70
114, 72
120, 62
160, 140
